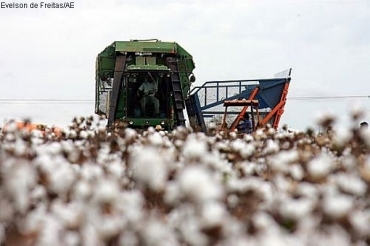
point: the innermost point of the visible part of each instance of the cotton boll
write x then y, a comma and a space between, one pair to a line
131, 203
213, 214
150, 168
194, 149
337, 206
106, 191
296, 171
233, 135
263, 220
90, 236
107, 226
296, 208
360, 221
280, 161
81, 190
172, 193
50, 233
62, 178
271, 147
307, 190
20, 147
83, 134
69, 214
116, 169
245, 150
190, 231
18, 181
334, 235
155, 232
7, 210
196, 183
342, 136
348, 161
232, 200
128, 238
72, 238
91, 172
155, 139
320, 166
38, 194
351, 184
365, 135
259, 134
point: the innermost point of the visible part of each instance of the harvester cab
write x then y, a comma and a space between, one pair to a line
143, 83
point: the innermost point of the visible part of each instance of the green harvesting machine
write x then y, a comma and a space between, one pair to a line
121, 69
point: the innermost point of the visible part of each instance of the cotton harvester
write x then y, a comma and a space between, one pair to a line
166, 70
123, 66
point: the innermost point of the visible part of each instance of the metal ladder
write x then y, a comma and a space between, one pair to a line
177, 96
117, 81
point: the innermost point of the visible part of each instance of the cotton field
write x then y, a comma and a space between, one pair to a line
90, 187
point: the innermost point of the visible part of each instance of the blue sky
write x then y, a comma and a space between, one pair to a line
50, 53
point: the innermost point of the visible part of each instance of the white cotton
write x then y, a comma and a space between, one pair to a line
194, 149
72, 238
131, 203
38, 193
116, 168
296, 209
320, 166
157, 233
155, 139
128, 238
351, 184
69, 214
360, 221
248, 137
106, 191
263, 220
280, 162
232, 200
213, 214
62, 178
296, 171
245, 150
334, 235
18, 181
259, 134
72, 134
7, 209
81, 190
149, 168
272, 146
337, 206
365, 135
233, 135
20, 147
307, 190
108, 226
190, 231
342, 136
91, 172
197, 183
349, 162
50, 233
172, 193
83, 134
